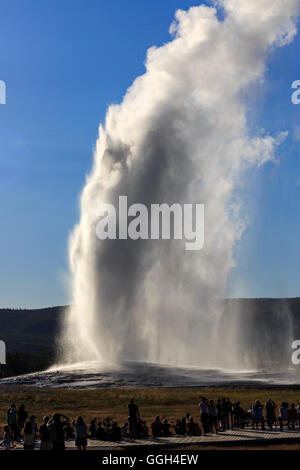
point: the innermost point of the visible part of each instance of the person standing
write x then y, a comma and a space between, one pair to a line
32, 419
225, 414
12, 421
56, 428
258, 415
45, 435
270, 410
204, 415
292, 416
212, 416
226, 404
298, 413
134, 415
283, 417
81, 433
230, 412
220, 415
22, 417
93, 428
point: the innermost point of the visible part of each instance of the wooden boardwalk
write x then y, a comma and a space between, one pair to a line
246, 436
231, 437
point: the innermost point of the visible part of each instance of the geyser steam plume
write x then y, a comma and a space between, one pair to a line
179, 136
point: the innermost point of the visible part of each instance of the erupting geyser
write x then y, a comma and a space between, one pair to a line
180, 135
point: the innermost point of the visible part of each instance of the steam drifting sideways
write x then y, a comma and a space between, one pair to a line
180, 135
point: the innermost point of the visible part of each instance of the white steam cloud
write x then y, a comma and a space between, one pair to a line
180, 135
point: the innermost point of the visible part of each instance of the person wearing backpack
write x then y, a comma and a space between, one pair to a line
57, 434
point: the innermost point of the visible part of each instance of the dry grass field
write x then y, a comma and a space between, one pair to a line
100, 403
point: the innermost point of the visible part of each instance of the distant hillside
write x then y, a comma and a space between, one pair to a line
30, 331
33, 331
265, 310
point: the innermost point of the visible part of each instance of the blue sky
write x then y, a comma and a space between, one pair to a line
64, 62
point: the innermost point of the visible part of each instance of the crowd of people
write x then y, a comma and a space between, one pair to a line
215, 417
223, 414
51, 434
